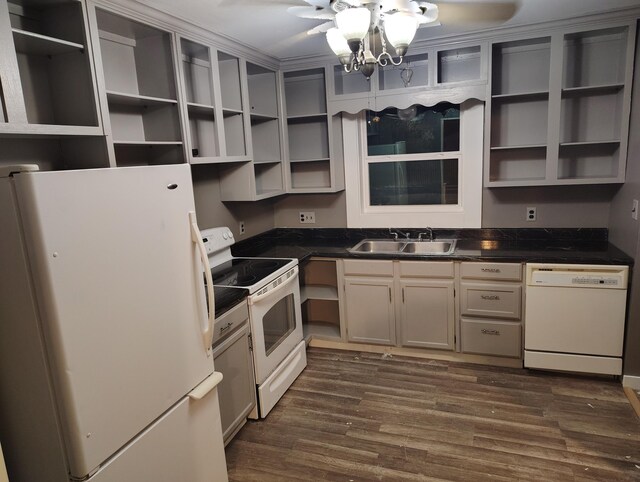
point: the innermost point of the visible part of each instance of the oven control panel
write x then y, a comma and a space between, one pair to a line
216, 239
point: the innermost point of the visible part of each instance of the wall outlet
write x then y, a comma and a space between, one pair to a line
634, 210
241, 227
531, 213
307, 217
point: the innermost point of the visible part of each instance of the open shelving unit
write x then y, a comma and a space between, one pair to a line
49, 112
559, 108
253, 126
141, 92
320, 300
459, 65
519, 110
593, 98
57, 87
197, 72
314, 137
234, 126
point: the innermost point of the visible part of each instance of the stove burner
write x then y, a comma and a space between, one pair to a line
247, 279
266, 264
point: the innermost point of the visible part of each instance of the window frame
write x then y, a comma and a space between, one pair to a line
466, 214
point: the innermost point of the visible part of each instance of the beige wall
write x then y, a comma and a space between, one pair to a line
212, 212
330, 209
557, 206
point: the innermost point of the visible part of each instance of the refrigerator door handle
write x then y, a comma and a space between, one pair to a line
196, 237
206, 386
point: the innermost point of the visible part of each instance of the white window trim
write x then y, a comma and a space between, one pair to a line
466, 214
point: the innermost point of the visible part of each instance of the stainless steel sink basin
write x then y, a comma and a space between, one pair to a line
378, 246
444, 246
408, 247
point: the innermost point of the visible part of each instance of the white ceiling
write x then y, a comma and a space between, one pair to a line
266, 26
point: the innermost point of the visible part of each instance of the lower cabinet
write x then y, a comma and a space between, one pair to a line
427, 314
404, 303
491, 309
370, 310
470, 307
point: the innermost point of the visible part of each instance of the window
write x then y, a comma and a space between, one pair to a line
416, 167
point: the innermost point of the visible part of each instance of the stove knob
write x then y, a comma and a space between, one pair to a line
225, 235
230, 234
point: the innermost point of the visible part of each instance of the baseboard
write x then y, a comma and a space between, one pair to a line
419, 353
631, 382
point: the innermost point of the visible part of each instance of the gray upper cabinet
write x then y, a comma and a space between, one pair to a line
138, 69
251, 104
314, 138
558, 110
46, 69
198, 71
49, 112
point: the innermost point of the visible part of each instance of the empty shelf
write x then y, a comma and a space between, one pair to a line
122, 98
36, 44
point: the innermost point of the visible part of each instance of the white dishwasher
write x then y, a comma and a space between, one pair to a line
574, 317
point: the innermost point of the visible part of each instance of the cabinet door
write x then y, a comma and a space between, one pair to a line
370, 317
427, 314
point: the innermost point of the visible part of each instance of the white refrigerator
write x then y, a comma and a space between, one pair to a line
106, 371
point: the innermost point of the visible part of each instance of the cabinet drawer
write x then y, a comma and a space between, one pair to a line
491, 300
426, 269
491, 338
368, 267
497, 271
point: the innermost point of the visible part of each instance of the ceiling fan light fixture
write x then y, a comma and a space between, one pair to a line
353, 24
369, 64
400, 29
339, 45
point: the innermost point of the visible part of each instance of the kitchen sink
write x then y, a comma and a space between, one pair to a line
378, 246
408, 247
444, 246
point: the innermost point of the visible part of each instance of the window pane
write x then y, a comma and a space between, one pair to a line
413, 182
414, 130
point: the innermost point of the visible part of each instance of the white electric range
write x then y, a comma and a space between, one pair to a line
278, 347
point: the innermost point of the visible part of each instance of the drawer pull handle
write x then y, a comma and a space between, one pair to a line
490, 270
490, 332
226, 327
490, 297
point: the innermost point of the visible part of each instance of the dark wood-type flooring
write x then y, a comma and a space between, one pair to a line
356, 416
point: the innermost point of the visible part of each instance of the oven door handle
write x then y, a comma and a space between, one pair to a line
196, 237
257, 298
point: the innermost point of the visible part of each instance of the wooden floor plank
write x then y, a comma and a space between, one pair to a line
354, 416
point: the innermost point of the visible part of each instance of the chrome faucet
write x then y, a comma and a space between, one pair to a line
397, 232
429, 232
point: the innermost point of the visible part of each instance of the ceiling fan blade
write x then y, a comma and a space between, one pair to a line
323, 27
319, 3
311, 12
471, 13
257, 3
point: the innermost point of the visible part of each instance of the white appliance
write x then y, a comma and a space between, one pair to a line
106, 369
275, 317
575, 317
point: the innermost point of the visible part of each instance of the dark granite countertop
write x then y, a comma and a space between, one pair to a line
579, 246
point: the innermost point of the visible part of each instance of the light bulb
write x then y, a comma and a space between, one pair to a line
400, 29
354, 24
338, 44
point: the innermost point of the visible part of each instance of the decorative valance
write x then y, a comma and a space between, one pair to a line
428, 97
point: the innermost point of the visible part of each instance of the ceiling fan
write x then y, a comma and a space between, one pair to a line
350, 25
458, 13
